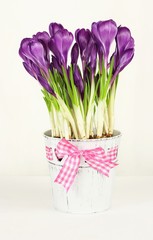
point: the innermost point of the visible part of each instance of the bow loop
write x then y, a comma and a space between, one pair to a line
64, 147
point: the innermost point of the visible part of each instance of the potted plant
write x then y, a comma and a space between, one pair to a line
82, 145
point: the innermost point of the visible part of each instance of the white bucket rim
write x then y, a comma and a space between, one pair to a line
116, 134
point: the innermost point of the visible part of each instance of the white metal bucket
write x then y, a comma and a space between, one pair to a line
91, 191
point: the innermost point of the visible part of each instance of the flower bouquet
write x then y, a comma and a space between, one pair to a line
79, 90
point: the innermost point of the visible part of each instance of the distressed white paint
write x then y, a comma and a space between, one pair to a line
91, 191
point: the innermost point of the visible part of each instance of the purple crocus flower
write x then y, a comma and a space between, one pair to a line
74, 53
34, 50
60, 44
124, 41
34, 71
85, 42
28, 63
124, 50
104, 32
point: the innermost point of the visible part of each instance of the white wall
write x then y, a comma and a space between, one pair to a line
23, 114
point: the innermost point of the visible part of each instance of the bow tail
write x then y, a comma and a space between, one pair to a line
101, 166
112, 153
68, 171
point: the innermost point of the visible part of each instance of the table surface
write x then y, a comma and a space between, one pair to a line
26, 212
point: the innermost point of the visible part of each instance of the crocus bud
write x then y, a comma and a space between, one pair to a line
78, 79
74, 53
93, 60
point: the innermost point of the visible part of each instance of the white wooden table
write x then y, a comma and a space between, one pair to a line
26, 212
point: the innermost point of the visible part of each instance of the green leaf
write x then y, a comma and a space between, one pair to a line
96, 89
85, 99
109, 77
66, 99
48, 104
103, 77
74, 89
50, 98
67, 83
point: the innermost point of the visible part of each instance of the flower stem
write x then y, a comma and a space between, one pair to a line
100, 118
111, 108
90, 110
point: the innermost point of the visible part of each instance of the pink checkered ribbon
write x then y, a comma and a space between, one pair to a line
95, 158
49, 154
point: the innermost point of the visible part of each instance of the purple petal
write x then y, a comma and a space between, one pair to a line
29, 69
123, 40
45, 85
125, 60
54, 27
44, 38
56, 64
83, 38
39, 54
66, 43
36, 69
124, 50
104, 33
130, 44
54, 48
78, 79
74, 53
60, 44
24, 50
35, 51
93, 59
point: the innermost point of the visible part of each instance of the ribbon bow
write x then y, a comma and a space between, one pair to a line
95, 158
